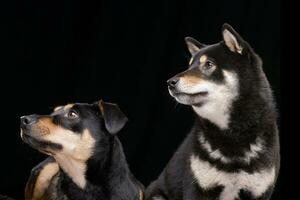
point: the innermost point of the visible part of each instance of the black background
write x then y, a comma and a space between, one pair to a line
120, 51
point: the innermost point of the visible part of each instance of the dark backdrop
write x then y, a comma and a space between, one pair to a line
121, 51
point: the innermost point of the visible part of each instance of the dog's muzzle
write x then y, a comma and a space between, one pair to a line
172, 82
27, 121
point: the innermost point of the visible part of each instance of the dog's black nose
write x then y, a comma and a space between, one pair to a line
172, 81
28, 120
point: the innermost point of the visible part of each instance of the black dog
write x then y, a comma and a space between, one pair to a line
86, 158
232, 151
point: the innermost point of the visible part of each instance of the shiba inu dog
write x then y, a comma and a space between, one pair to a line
232, 152
86, 159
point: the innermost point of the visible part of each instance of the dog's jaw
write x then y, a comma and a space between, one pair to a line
74, 163
218, 106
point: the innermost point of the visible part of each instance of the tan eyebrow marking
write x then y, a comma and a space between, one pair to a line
68, 106
203, 59
57, 108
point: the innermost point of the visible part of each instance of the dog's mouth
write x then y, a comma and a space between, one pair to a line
32, 141
27, 135
178, 93
203, 93
197, 98
38, 143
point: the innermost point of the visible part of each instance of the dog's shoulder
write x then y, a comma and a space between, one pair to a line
130, 187
177, 170
41, 178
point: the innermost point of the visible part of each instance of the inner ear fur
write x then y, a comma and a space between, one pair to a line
232, 39
193, 45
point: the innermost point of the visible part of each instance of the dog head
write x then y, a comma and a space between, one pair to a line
73, 130
212, 81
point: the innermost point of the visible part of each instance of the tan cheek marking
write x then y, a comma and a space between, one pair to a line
41, 130
43, 127
84, 148
46, 124
191, 80
72, 159
44, 179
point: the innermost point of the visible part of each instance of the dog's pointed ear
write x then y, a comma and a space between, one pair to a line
114, 118
193, 45
232, 39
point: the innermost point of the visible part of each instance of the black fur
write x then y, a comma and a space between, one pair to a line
252, 115
107, 175
5, 198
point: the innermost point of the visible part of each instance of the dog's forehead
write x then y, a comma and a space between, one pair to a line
72, 105
65, 107
211, 51
87, 114
215, 53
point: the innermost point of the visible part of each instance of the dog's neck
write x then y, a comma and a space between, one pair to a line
252, 125
114, 165
100, 174
114, 174
245, 113
218, 107
72, 168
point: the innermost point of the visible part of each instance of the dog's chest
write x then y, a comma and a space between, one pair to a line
208, 176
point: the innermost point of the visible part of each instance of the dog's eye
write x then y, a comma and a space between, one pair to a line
208, 65
72, 114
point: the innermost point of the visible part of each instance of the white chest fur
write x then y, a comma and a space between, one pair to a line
208, 176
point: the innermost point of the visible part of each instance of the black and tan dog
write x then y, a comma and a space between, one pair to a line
86, 159
232, 152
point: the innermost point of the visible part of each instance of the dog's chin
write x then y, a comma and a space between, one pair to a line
197, 99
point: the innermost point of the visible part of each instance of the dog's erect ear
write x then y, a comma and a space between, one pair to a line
232, 39
193, 45
114, 118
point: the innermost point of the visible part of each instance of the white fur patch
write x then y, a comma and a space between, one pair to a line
22, 134
216, 154
255, 148
208, 176
219, 100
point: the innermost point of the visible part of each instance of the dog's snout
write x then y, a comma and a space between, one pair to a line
172, 81
28, 120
